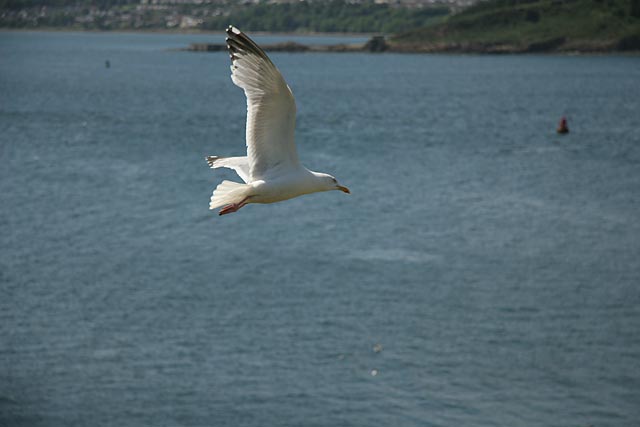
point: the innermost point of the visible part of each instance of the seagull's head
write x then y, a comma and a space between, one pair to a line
329, 183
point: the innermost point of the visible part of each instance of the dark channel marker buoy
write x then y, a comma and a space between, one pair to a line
107, 64
562, 126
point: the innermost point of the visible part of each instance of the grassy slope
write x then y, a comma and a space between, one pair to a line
328, 16
302, 16
538, 25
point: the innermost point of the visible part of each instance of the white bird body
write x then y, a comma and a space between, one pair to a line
271, 170
296, 182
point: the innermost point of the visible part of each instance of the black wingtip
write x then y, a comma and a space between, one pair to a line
211, 160
233, 31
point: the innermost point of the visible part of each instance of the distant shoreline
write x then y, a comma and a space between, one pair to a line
389, 47
378, 44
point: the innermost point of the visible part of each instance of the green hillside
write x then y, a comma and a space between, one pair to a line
533, 25
329, 16
363, 16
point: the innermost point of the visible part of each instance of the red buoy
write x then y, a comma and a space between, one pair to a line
562, 126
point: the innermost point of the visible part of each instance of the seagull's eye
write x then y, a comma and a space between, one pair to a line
334, 180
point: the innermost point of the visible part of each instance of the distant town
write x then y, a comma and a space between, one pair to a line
273, 15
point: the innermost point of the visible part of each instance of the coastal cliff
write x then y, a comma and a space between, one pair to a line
531, 26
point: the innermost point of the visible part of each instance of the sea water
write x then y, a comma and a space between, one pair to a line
485, 271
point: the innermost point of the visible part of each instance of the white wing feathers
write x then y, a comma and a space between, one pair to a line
238, 164
271, 108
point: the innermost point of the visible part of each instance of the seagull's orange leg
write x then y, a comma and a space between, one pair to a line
233, 207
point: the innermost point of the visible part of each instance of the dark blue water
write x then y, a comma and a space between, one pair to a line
484, 272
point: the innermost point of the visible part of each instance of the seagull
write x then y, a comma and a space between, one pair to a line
271, 170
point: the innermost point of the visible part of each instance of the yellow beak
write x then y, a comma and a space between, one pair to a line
344, 189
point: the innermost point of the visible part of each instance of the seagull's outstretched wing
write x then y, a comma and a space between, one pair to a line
238, 164
271, 108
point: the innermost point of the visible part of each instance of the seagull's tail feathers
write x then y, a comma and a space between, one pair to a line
229, 192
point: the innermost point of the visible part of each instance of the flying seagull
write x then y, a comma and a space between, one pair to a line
271, 170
